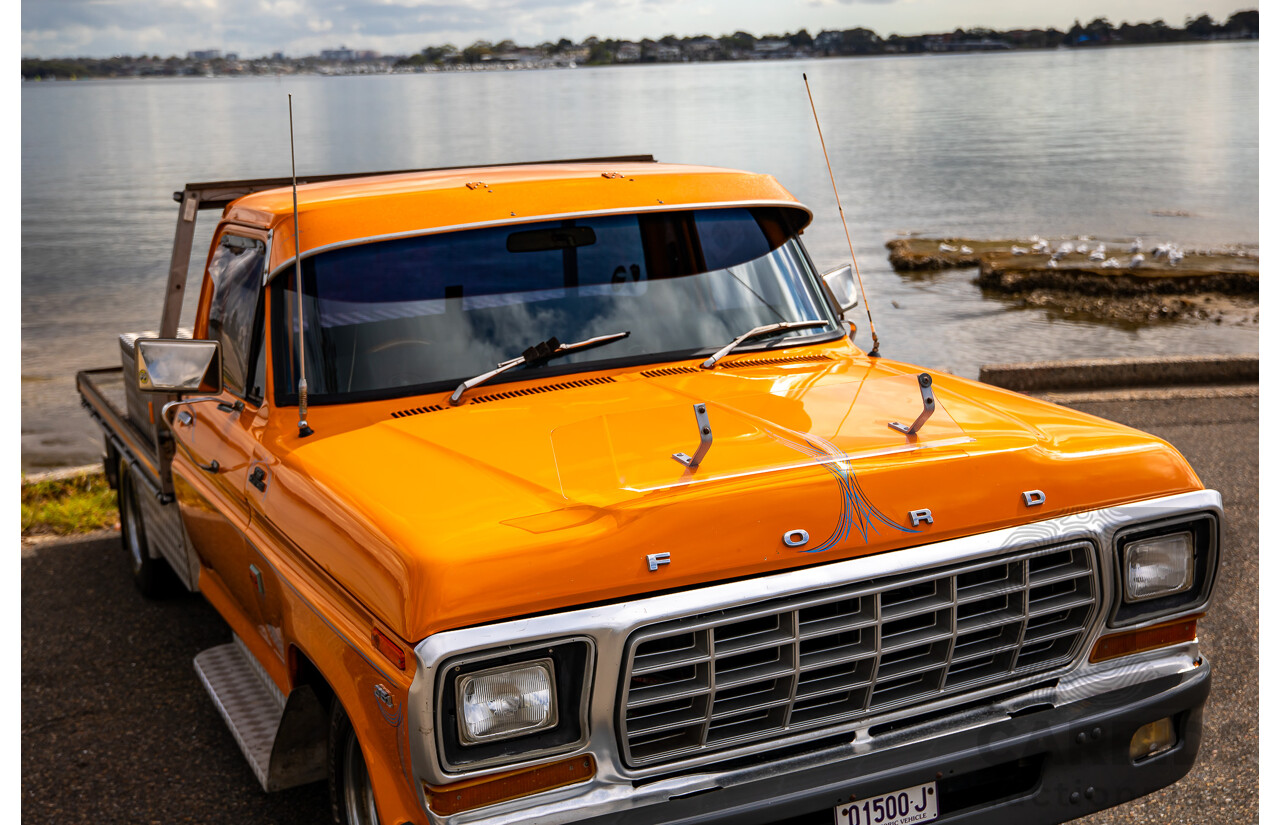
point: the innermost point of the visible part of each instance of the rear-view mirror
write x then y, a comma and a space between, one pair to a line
178, 365
843, 289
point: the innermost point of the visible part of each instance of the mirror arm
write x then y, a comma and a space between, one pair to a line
164, 411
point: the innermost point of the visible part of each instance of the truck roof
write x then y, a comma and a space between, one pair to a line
356, 210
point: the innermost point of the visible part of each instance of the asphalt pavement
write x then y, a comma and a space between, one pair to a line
116, 728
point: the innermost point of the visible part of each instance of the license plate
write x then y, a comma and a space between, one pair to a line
905, 807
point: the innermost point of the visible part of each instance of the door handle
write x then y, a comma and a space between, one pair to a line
258, 478
211, 467
186, 419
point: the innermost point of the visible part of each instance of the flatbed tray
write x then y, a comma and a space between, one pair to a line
102, 390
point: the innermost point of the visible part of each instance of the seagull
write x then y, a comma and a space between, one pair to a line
1099, 254
1064, 250
1040, 246
1175, 255
946, 247
1018, 250
1082, 248
1136, 246
1136, 261
1053, 263
1110, 263
1161, 251
964, 250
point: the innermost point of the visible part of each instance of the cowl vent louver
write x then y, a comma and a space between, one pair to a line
541, 388
496, 396
740, 363
416, 411
664, 371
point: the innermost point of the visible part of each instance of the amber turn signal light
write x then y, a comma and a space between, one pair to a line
1148, 638
388, 648
464, 796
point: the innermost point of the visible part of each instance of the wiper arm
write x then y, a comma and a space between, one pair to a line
756, 333
544, 351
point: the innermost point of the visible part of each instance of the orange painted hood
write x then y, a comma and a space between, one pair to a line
529, 503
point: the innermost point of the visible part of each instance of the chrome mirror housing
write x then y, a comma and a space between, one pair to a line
178, 365
843, 289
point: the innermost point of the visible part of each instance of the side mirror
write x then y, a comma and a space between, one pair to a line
842, 288
178, 365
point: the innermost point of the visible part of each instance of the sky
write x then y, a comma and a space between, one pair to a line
252, 28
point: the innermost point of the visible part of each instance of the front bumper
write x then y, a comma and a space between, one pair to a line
1043, 766
1008, 746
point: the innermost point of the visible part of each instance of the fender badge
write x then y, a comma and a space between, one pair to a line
658, 559
1033, 497
795, 538
918, 516
383, 695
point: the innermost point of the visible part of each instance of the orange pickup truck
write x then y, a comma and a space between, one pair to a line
560, 493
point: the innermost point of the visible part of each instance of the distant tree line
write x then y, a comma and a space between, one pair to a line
737, 46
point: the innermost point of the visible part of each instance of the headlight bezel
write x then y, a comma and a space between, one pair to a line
572, 662
1204, 530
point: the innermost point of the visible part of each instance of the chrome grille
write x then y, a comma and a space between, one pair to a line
825, 658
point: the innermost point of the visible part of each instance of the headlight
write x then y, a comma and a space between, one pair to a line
506, 701
1165, 568
513, 704
1158, 566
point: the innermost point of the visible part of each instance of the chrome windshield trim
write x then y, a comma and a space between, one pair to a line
520, 221
610, 625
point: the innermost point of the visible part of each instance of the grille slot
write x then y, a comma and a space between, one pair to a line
814, 660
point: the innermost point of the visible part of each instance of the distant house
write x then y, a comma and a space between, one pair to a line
701, 48
207, 54
772, 48
663, 53
627, 52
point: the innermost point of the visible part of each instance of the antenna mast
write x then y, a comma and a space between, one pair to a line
303, 429
875, 339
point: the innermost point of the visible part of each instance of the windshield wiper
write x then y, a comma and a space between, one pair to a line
756, 333
544, 351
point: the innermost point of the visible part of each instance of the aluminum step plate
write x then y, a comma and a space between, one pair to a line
250, 709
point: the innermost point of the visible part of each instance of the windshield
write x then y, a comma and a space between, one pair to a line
426, 312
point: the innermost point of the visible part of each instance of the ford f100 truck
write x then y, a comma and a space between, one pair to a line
560, 492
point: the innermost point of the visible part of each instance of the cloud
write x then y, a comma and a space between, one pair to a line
253, 27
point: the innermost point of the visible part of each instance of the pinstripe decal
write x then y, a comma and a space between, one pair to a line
856, 510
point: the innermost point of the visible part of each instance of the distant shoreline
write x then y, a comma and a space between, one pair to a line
498, 67
740, 46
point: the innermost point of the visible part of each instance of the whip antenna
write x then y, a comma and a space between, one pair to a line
303, 429
875, 339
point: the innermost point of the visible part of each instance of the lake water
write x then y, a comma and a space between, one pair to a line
1087, 142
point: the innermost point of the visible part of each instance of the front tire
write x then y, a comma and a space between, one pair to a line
150, 575
350, 791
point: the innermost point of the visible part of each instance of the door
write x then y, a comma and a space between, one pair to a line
216, 439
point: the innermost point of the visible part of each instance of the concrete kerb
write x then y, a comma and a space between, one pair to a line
63, 474
1100, 374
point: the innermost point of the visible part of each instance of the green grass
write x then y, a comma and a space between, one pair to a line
68, 506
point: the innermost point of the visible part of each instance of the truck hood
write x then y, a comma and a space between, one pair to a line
525, 501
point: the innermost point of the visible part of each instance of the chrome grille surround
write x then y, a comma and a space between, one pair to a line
756, 672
